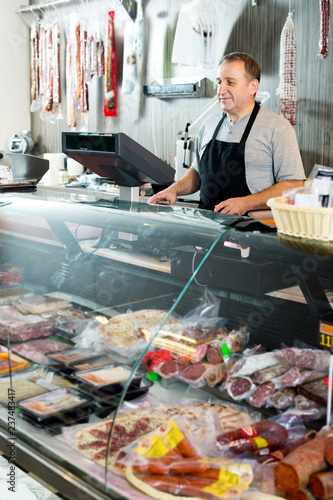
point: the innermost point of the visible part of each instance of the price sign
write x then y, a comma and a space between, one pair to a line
325, 336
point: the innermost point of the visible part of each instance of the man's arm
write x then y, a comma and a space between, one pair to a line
188, 184
256, 201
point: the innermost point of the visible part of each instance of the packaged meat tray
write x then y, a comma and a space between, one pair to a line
10, 275
109, 379
57, 403
22, 327
38, 304
32, 383
69, 356
36, 350
11, 362
93, 362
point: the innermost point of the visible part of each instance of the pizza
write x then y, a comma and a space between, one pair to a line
123, 330
91, 441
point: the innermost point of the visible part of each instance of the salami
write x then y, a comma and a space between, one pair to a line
194, 372
238, 387
297, 376
283, 398
315, 391
307, 358
262, 376
303, 403
261, 394
214, 353
287, 87
248, 365
324, 27
173, 367
294, 471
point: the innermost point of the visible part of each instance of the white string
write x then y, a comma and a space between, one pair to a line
289, 5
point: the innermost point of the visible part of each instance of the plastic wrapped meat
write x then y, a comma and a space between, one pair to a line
22, 327
36, 349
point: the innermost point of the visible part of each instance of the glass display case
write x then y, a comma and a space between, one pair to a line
76, 275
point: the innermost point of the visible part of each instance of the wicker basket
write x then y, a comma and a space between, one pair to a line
303, 222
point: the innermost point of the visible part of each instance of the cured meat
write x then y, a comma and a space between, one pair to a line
110, 102
214, 353
194, 372
283, 398
324, 27
266, 434
303, 403
238, 387
173, 367
34, 41
261, 394
321, 485
294, 471
304, 494
307, 358
56, 65
214, 374
288, 87
315, 391
248, 365
262, 376
329, 454
297, 376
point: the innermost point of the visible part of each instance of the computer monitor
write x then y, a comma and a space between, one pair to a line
117, 157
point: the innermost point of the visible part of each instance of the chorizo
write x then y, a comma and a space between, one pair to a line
294, 471
266, 434
304, 494
329, 454
321, 484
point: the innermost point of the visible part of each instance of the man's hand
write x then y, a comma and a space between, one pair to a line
256, 201
233, 206
169, 194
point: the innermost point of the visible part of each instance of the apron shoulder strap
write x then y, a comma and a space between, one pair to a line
253, 116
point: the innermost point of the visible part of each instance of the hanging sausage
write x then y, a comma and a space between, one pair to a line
324, 27
288, 55
34, 43
110, 96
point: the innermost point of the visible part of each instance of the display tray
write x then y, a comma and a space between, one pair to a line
36, 349
109, 379
10, 362
103, 406
93, 362
67, 357
57, 406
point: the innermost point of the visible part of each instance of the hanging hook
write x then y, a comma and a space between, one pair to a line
34, 13
39, 8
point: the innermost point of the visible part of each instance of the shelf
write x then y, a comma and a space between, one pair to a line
128, 5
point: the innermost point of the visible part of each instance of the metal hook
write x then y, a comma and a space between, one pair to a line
34, 13
39, 8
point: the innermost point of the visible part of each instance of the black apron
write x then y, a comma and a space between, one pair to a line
222, 168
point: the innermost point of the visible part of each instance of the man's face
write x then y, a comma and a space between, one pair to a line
235, 90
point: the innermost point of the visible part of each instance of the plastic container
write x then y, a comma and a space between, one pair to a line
15, 362
109, 379
56, 408
314, 223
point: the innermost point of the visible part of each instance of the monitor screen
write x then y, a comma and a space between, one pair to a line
117, 157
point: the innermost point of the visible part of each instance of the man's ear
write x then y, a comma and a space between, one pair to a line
254, 85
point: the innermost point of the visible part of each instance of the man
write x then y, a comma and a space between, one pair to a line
244, 158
